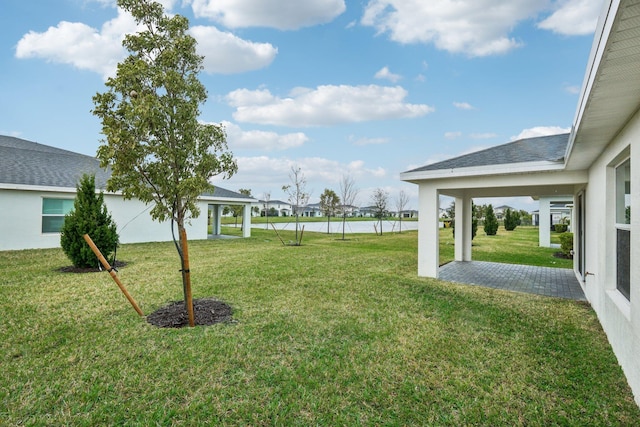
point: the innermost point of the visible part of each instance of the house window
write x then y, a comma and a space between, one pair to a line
623, 227
53, 212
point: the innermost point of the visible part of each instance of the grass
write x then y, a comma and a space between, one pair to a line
329, 333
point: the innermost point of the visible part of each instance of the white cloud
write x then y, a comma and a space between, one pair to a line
452, 135
261, 140
80, 45
367, 141
88, 48
572, 89
573, 17
384, 73
473, 27
540, 131
463, 106
280, 14
325, 105
226, 53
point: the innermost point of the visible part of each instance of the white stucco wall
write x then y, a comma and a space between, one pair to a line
21, 224
620, 318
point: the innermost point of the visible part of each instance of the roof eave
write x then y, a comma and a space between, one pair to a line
478, 171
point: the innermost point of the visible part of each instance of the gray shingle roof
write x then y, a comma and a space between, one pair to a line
29, 163
25, 162
542, 148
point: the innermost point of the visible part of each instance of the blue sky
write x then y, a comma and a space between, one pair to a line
368, 88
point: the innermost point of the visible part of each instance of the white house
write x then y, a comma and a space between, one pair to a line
598, 163
38, 187
273, 207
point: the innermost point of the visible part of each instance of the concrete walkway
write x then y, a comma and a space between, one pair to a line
552, 282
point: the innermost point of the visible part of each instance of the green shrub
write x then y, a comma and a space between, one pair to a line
89, 216
566, 244
510, 220
560, 228
490, 222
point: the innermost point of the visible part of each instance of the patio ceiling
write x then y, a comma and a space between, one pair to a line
611, 89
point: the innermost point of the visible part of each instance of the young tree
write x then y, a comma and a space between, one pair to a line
267, 198
510, 220
348, 195
298, 196
401, 202
158, 150
380, 200
329, 202
490, 222
89, 216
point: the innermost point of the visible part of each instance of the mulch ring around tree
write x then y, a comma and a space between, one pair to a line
207, 311
73, 269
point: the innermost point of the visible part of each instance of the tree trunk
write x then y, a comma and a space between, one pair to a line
186, 274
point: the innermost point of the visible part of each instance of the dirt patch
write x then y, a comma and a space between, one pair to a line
207, 311
562, 255
96, 269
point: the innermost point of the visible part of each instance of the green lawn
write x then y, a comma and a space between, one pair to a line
329, 333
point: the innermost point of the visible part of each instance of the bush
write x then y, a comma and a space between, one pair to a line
510, 220
89, 216
560, 228
566, 244
490, 222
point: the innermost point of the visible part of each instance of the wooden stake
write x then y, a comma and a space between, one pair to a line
187, 276
274, 229
111, 271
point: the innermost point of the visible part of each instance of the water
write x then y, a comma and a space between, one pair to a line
351, 227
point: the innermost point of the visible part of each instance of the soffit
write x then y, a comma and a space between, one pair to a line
614, 95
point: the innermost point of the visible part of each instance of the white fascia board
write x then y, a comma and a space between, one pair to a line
603, 30
40, 188
506, 169
230, 200
73, 190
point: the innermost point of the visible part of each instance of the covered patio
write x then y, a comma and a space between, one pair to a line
546, 281
527, 167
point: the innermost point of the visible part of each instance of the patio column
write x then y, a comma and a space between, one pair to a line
544, 230
246, 221
215, 219
428, 231
463, 229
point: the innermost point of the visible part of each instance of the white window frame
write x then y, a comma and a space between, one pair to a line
62, 214
621, 205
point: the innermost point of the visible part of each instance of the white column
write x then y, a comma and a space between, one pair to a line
428, 231
463, 229
544, 231
246, 221
216, 220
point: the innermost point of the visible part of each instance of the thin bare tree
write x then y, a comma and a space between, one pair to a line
298, 195
348, 195
401, 202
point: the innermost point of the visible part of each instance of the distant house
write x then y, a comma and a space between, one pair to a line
38, 187
500, 211
312, 210
553, 210
350, 210
597, 163
273, 208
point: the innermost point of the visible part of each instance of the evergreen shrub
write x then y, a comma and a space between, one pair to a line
89, 216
